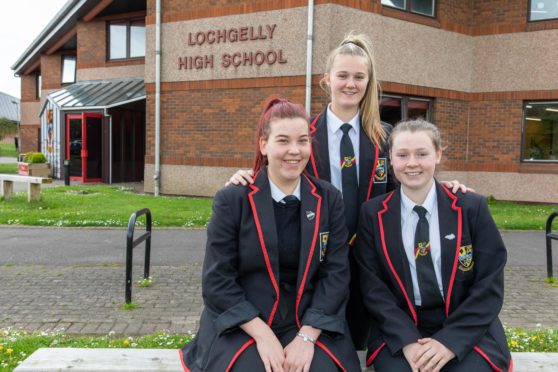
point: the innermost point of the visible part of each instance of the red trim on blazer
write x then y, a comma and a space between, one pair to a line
311, 253
384, 247
240, 351
264, 251
377, 151
375, 354
458, 244
182, 360
478, 350
324, 348
312, 131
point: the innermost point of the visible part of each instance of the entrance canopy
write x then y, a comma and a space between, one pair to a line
98, 94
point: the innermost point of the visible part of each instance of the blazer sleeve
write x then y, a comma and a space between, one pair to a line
222, 295
396, 326
327, 309
470, 320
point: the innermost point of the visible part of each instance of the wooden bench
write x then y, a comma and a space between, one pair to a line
33, 185
168, 360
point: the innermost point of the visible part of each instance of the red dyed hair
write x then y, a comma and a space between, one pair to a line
275, 108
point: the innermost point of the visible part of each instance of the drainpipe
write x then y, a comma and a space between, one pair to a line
110, 144
157, 175
309, 38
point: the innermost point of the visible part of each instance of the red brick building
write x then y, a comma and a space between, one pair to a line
486, 72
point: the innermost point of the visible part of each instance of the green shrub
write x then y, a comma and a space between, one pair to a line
35, 158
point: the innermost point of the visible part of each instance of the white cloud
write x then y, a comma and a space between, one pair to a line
21, 21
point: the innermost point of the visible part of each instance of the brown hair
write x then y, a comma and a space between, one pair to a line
415, 126
275, 108
360, 45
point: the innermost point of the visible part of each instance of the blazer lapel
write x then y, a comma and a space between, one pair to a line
310, 214
264, 216
367, 166
320, 149
449, 218
393, 245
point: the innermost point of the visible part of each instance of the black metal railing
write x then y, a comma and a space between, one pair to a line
549, 237
131, 244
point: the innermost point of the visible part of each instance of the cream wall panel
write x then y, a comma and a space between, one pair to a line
289, 36
507, 185
110, 72
515, 62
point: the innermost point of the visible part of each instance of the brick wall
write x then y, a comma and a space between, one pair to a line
29, 88
51, 71
91, 48
29, 138
210, 127
495, 134
451, 118
497, 12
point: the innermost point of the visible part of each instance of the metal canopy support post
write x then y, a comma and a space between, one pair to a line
131, 244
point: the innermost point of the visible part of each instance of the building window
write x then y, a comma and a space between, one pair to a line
393, 108
38, 84
540, 131
423, 7
68, 69
126, 39
543, 9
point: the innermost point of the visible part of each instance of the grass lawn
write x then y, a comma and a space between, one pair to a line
99, 205
8, 150
521, 216
10, 168
102, 206
16, 346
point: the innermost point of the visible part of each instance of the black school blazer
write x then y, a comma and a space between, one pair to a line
473, 259
241, 273
375, 176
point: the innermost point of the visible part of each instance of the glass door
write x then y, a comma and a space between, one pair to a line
74, 142
84, 146
93, 149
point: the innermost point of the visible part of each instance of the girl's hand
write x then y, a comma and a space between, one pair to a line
455, 186
241, 177
409, 351
271, 352
432, 355
298, 355
269, 347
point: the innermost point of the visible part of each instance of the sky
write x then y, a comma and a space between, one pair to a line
21, 21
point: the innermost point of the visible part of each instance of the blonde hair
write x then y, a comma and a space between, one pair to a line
360, 45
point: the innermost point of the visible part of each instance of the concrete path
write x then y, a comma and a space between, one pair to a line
73, 279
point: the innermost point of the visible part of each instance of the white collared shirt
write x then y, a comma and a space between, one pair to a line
334, 135
278, 195
409, 220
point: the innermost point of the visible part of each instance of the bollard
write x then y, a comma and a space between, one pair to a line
67, 172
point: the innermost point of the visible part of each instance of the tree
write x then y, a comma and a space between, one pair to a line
7, 127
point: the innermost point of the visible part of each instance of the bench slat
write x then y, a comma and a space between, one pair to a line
28, 179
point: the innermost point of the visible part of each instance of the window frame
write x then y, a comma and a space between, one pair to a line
38, 85
523, 132
408, 8
64, 57
530, 3
128, 23
405, 104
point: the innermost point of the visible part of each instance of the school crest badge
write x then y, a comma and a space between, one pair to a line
323, 244
422, 249
381, 171
466, 262
348, 161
